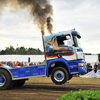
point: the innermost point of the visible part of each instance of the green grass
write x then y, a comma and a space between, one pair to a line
74, 80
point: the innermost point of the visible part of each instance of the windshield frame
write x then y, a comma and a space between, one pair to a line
76, 40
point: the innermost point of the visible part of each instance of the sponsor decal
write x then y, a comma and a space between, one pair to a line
21, 72
15, 76
35, 67
35, 73
22, 69
29, 68
41, 72
29, 74
14, 72
22, 75
27, 71
35, 70
40, 69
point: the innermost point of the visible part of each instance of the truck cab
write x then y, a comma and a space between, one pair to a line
64, 52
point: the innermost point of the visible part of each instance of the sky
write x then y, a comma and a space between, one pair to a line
18, 29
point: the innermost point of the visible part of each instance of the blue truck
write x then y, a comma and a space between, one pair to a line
63, 58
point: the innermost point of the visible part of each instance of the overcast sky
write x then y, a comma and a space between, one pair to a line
83, 15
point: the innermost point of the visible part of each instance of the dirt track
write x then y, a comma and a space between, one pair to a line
42, 91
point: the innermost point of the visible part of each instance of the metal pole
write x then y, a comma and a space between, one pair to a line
44, 47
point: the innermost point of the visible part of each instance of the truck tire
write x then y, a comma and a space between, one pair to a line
59, 75
19, 83
6, 81
70, 77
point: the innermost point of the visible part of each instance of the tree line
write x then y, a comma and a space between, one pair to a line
21, 51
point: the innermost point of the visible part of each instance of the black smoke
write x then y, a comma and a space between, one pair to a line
40, 10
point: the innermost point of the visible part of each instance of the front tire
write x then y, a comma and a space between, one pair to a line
6, 81
70, 77
59, 75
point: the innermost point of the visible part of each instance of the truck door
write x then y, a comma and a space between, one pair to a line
66, 46
57, 47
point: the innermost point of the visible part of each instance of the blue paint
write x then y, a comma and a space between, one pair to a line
49, 62
73, 32
50, 36
1, 80
59, 76
77, 33
79, 50
68, 64
30, 71
82, 69
39, 70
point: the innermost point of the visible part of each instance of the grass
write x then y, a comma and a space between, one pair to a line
74, 80
79, 80
40, 80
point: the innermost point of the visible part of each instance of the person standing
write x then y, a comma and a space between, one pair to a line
95, 67
99, 65
25, 64
21, 64
88, 64
89, 68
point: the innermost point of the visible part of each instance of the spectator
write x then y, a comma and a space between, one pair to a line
34, 63
0, 64
17, 63
21, 64
14, 63
89, 68
95, 67
25, 64
31, 63
10, 64
99, 65
40, 63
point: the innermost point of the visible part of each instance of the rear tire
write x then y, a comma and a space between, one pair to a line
7, 82
59, 75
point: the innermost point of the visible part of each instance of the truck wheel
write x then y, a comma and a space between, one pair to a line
70, 77
59, 75
5, 80
19, 83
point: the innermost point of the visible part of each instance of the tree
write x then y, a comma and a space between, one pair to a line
10, 50
21, 51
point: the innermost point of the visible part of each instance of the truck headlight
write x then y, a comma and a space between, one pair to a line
80, 64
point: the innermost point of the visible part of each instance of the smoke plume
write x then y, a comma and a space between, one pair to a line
41, 10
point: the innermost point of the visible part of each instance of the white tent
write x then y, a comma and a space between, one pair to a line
91, 59
20, 58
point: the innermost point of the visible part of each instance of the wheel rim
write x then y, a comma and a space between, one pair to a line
2, 80
59, 76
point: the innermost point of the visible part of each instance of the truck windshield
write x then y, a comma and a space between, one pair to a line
76, 41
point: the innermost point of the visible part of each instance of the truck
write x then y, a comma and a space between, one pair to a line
64, 58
